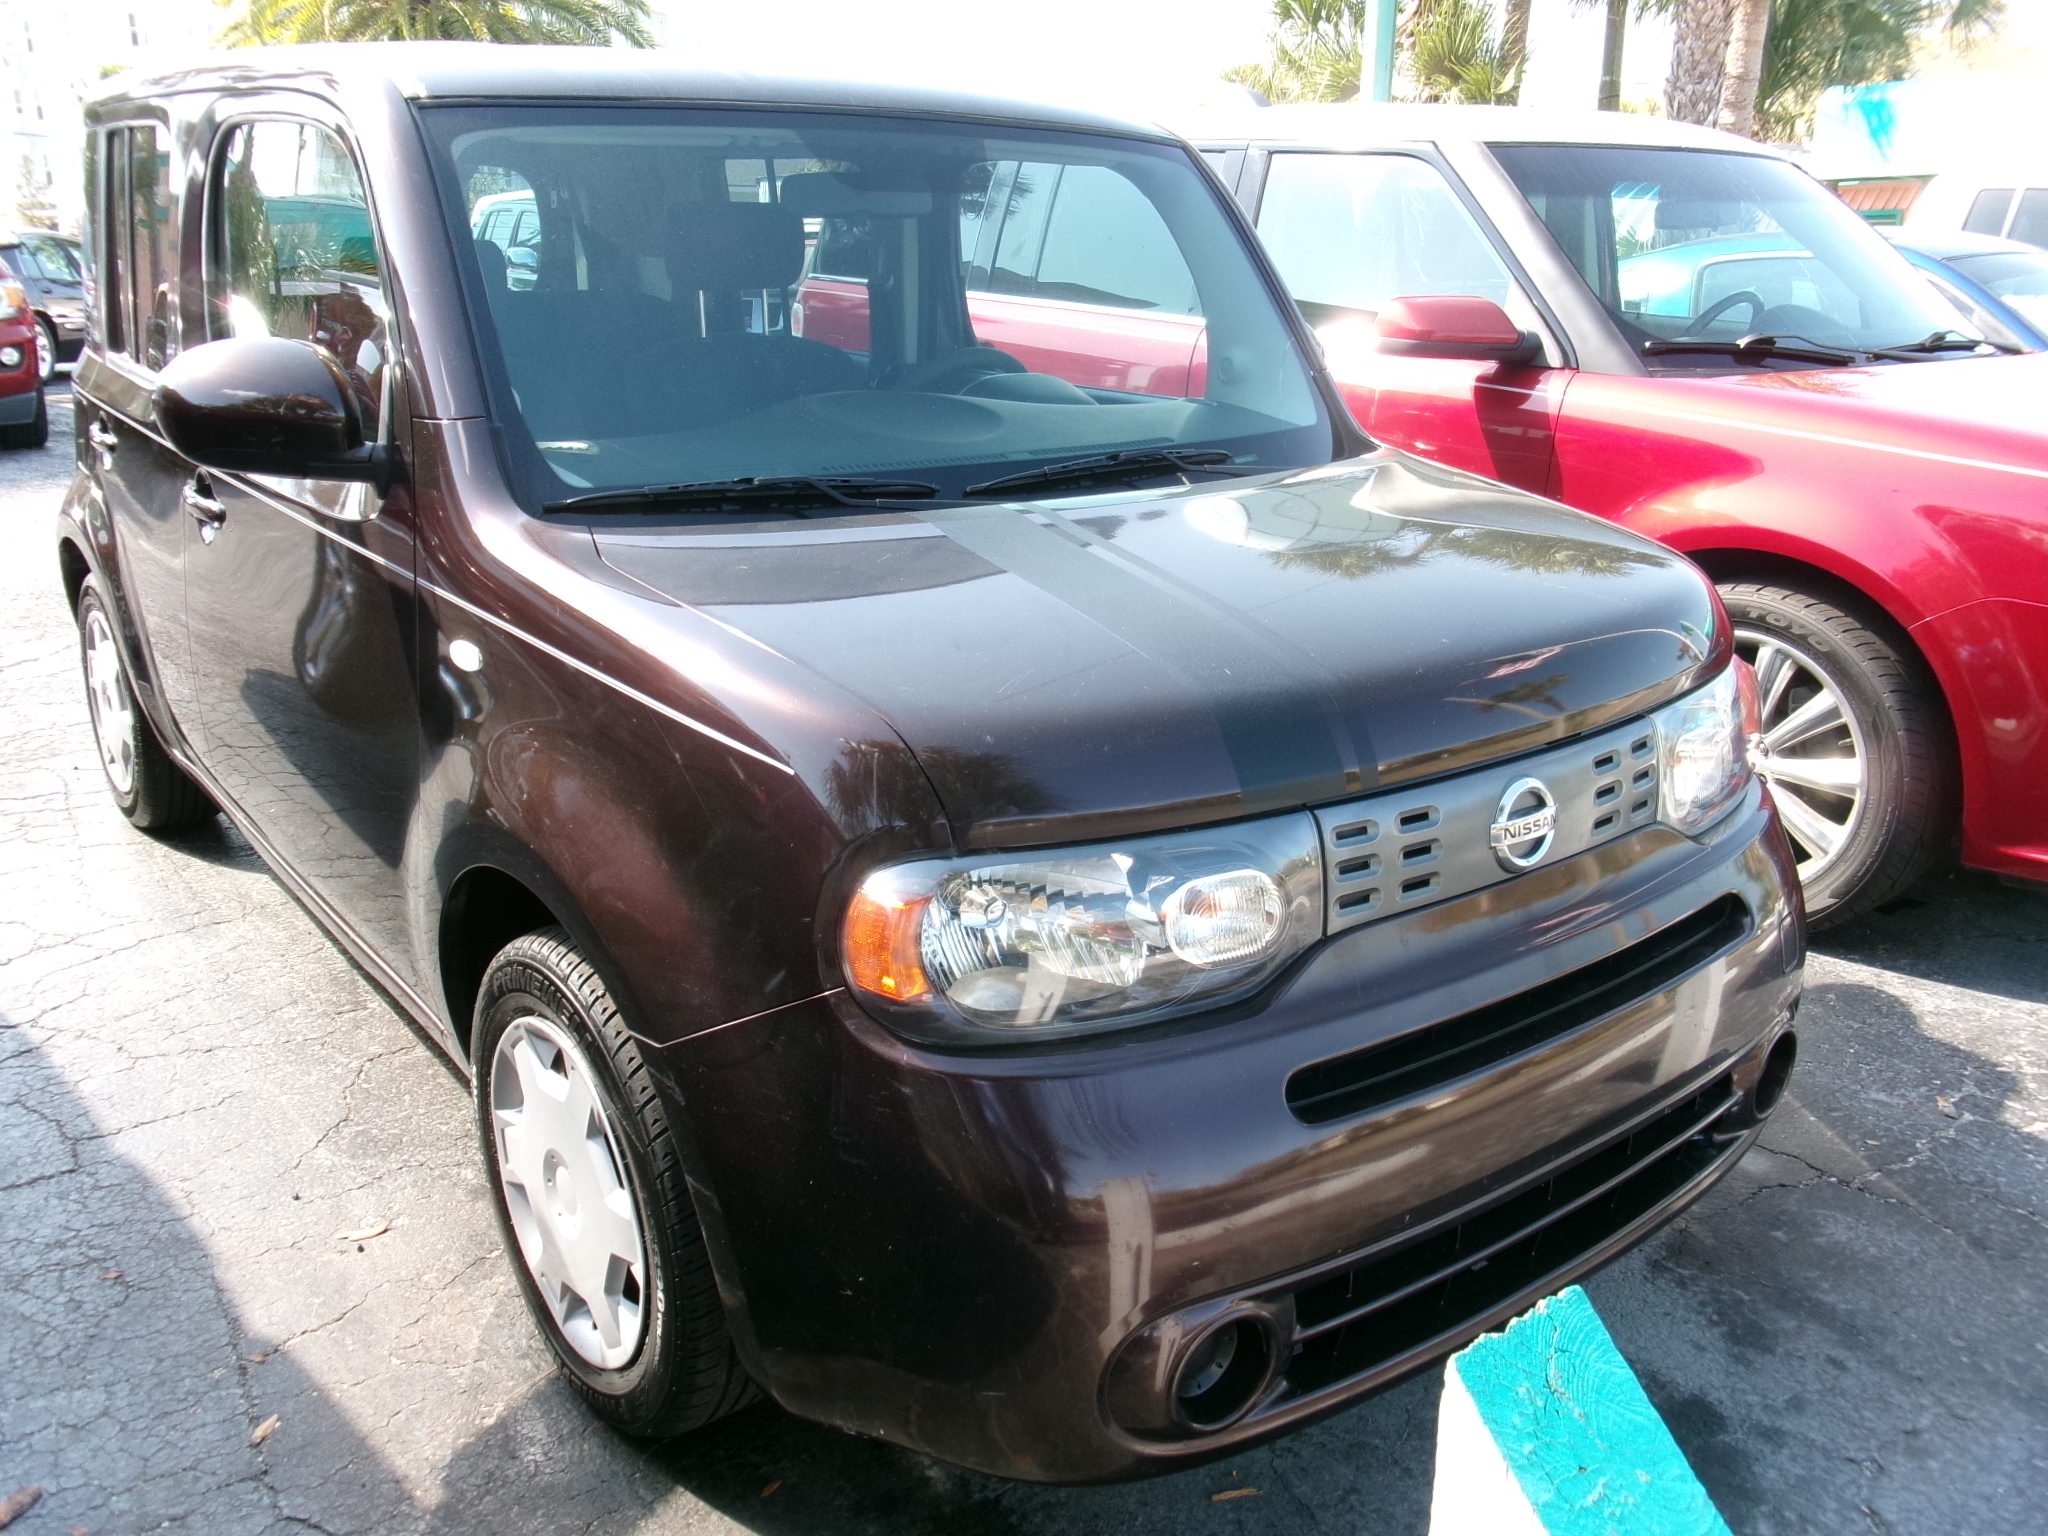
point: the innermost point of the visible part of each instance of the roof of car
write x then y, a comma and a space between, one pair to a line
1942, 244
1361, 125
427, 71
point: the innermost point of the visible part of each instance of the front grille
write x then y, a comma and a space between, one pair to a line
1401, 1299
1407, 848
1440, 1053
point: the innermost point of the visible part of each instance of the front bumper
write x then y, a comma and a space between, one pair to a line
999, 1259
19, 407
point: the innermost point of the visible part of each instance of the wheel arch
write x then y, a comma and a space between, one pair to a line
496, 889
74, 567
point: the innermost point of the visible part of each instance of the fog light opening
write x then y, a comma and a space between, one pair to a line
1777, 1072
1221, 1374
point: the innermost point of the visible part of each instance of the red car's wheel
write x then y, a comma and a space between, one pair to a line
1856, 748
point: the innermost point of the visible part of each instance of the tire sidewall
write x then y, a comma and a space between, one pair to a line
91, 600
520, 983
1884, 758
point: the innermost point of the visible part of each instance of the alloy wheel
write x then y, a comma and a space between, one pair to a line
1813, 752
113, 707
566, 1191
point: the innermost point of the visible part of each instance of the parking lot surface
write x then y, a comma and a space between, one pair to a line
237, 1191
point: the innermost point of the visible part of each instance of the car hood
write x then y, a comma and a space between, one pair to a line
1105, 665
1988, 409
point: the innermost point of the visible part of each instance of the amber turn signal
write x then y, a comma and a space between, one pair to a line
882, 940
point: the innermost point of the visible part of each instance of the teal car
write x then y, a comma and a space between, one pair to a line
1730, 286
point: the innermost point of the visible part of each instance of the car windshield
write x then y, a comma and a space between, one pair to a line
1705, 245
671, 296
2020, 278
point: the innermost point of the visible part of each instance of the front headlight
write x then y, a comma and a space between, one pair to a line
1703, 743
1045, 945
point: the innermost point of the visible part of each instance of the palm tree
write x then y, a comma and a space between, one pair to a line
1699, 60
1454, 55
1449, 47
1748, 30
591, 22
1318, 52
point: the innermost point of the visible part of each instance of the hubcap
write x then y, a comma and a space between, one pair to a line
113, 708
1814, 755
566, 1192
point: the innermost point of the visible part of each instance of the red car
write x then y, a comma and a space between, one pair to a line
1681, 331
24, 419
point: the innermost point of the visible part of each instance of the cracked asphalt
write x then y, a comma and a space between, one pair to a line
200, 1098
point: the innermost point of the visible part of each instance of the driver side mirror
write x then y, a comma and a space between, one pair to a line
265, 405
1444, 325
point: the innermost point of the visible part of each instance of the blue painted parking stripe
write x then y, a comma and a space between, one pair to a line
1546, 1430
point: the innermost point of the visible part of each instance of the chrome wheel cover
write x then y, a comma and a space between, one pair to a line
1813, 752
113, 706
565, 1189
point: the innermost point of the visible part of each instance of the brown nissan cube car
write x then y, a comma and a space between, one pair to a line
1063, 925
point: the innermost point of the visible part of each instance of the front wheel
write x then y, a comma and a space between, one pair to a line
46, 340
592, 1198
1856, 747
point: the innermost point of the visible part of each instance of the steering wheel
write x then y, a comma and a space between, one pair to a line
1720, 307
951, 372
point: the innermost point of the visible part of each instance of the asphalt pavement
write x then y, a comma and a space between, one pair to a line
249, 1281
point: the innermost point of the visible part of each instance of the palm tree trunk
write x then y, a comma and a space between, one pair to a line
1746, 37
1698, 61
1514, 43
1610, 55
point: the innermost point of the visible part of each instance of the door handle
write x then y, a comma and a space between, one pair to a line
103, 441
205, 510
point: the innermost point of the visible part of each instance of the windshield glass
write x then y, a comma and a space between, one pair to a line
1701, 245
672, 295
2020, 278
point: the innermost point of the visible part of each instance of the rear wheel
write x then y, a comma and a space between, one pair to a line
1856, 747
592, 1199
152, 791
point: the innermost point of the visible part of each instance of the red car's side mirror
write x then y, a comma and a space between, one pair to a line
1445, 325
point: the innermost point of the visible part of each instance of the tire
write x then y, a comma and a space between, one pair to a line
46, 343
33, 433
152, 791
665, 1365
1866, 786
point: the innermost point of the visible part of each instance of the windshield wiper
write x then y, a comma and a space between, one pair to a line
1119, 469
1939, 342
794, 492
1798, 349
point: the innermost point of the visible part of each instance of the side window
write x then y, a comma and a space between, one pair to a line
294, 252
130, 179
154, 269
58, 260
22, 259
1350, 232
1987, 211
1087, 235
2030, 218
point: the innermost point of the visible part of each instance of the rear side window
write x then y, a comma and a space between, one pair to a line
20, 261
294, 253
1987, 212
138, 263
1350, 232
2030, 219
